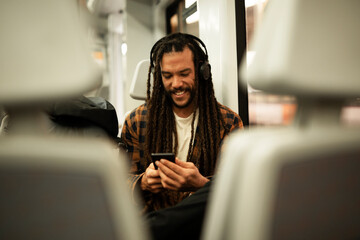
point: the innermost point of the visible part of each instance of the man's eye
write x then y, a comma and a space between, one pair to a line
184, 74
166, 76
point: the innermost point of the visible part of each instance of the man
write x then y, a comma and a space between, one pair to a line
181, 115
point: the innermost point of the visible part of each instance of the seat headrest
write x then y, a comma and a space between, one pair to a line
139, 82
307, 48
44, 51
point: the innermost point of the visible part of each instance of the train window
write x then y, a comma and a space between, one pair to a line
182, 16
264, 109
350, 114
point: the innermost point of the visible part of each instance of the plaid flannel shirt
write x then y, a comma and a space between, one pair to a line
133, 135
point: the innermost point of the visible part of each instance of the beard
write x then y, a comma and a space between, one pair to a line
192, 94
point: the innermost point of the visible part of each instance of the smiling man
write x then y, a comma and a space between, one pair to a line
181, 115
178, 74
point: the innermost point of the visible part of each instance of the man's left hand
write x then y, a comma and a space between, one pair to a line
180, 176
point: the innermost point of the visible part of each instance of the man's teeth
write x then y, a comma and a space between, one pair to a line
179, 93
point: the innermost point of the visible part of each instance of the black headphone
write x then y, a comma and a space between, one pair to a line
205, 67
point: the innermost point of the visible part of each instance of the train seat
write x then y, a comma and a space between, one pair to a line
51, 186
64, 188
138, 84
299, 181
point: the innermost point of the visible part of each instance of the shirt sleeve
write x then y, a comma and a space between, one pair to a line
130, 137
237, 123
232, 119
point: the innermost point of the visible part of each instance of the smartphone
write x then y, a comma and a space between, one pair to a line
158, 156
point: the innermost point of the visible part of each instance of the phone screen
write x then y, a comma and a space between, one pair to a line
158, 156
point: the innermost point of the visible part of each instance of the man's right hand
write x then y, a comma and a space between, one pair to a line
151, 180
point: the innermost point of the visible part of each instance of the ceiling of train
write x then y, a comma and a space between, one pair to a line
105, 7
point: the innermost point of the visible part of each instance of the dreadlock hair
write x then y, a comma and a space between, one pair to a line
161, 126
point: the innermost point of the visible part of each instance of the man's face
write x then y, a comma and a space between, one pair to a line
178, 77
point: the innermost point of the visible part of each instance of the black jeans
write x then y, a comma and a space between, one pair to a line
182, 221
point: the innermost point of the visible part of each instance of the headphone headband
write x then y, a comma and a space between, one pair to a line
199, 41
205, 68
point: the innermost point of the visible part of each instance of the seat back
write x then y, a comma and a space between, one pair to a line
301, 181
65, 188
52, 186
316, 196
287, 184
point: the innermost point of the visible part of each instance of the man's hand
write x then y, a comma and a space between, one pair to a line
151, 181
180, 176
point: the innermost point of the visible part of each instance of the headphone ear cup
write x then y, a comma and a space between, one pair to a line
205, 70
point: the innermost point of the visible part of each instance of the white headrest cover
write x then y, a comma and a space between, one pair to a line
309, 48
138, 86
44, 52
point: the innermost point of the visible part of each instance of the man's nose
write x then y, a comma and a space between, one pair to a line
177, 82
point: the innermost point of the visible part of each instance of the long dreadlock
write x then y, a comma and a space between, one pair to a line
161, 125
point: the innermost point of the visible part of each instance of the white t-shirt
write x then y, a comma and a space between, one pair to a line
183, 127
